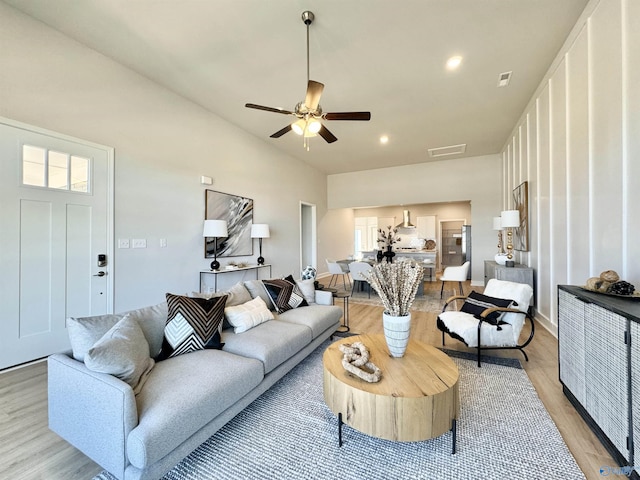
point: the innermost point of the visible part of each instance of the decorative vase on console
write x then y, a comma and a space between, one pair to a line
389, 254
397, 285
380, 256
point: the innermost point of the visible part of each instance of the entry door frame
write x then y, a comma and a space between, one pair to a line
308, 235
110, 153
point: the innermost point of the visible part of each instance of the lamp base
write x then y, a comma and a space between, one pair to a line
260, 260
510, 263
215, 265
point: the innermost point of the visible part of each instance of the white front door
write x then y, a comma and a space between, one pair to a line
56, 252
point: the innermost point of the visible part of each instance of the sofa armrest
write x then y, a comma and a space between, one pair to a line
324, 298
93, 411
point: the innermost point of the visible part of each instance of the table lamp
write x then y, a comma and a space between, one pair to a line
215, 229
260, 231
510, 219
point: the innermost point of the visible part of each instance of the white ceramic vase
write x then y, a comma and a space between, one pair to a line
396, 333
501, 258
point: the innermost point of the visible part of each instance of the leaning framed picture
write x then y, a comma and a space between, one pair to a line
521, 203
238, 212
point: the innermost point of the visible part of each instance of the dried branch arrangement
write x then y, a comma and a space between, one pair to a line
396, 284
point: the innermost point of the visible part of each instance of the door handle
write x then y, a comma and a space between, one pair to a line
100, 274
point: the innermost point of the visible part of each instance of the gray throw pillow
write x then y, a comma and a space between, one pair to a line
84, 332
256, 289
152, 321
122, 352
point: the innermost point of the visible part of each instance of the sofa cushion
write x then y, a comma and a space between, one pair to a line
192, 324
152, 321
308, 289
84, 332
271, 342
248, 315
208, 383
122, 352
256, 289
317, 317
284, 294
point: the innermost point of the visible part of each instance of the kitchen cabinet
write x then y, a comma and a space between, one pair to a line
518, 274
598, 355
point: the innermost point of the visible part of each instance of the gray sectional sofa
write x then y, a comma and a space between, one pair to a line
185, 399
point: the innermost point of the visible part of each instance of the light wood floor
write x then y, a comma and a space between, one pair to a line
29, 451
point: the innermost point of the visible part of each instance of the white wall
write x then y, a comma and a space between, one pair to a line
163, 144
475, 179
577, 145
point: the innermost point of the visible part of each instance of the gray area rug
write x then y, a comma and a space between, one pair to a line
504, 431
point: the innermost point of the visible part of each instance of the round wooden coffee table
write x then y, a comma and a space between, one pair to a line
416, 399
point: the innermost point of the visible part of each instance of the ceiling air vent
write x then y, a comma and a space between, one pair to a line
450, 150
504, 79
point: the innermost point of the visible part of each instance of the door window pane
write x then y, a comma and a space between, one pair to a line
33, 161
58, 170
79, 174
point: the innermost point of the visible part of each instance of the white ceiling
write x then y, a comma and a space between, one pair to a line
384, 56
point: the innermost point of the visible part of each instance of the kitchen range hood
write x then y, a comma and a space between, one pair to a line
406, 221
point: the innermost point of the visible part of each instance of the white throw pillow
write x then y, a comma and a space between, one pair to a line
248, 315
122, 352
308, 289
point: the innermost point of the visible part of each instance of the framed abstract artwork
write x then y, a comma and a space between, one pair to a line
238, 212
521, 203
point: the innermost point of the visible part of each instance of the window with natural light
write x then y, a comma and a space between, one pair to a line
57, 170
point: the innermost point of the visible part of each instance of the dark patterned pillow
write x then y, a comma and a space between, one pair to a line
476, 303
285, 294
192, 324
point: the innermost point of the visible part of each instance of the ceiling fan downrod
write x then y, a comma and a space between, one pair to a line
307, 18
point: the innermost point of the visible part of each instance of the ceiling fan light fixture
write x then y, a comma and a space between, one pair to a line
299, 126
314, 125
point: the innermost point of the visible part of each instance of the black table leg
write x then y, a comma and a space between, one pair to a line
453, 437
339, 429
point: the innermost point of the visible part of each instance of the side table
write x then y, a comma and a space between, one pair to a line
345, 305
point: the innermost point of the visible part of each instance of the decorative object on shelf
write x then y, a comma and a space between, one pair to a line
380, 256
497, 226
609, 283
500, 258
215, 229
509, 220
260, 231
397, 285
521, 203
430, 245
309, 273
238, 213
356, 356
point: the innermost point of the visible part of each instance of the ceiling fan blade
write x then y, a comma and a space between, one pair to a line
347, 116
327, 135
281, 132
269, 109
314, 91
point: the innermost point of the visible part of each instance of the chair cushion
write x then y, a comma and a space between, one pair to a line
317, 317
476, 303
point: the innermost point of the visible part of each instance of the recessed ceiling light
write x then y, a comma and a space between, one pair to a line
454, 62
384, 139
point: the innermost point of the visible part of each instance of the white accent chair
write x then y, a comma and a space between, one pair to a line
336, 269
356, 269
455, 274
476, 331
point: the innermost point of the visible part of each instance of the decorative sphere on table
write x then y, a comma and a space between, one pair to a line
309, 273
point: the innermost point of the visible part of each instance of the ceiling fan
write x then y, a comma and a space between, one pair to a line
309, 112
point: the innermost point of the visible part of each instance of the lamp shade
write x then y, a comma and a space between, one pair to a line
510, 218
215, 229
497, 223
260, 230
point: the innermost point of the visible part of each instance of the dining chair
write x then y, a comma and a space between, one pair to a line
356, 269
336, 269
455, 274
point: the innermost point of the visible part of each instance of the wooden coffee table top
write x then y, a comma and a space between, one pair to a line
416, 399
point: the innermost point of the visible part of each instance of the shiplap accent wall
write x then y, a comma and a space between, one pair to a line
578, 146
